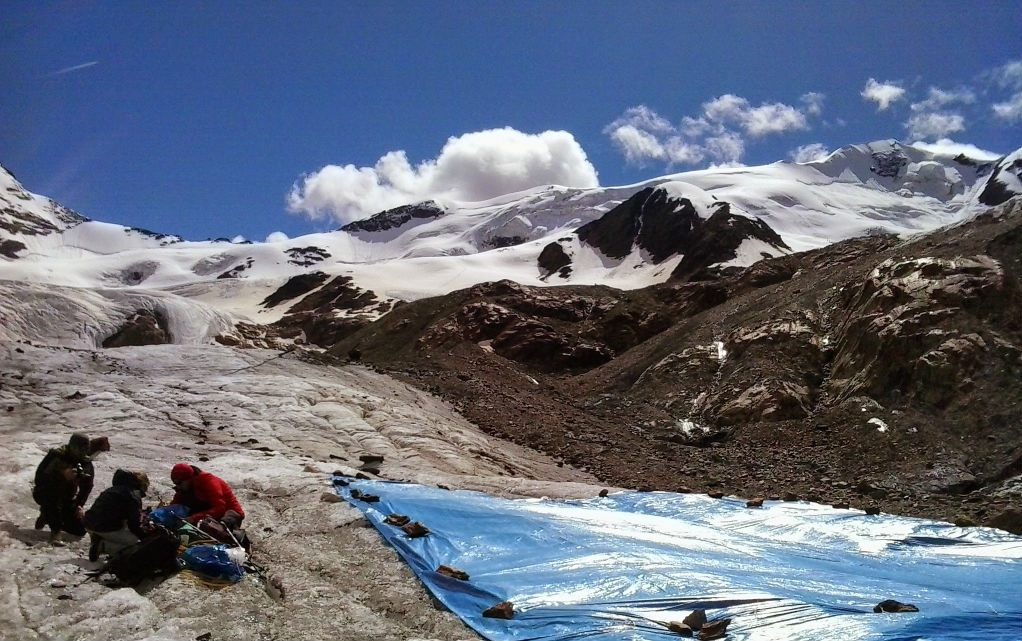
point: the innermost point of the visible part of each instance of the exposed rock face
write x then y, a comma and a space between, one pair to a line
651, 220
146, 327
996, 190
890, 163
769, 272
664, 226
325, 313
332, 312
1009, 520
718, 239
922, 327
295, 286
133, 274
238, 270
553, 259
11, 248
306, 256
397, 217
518, 323
16, 219
338, 294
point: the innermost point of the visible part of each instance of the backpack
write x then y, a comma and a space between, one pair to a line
156, 554
223, 534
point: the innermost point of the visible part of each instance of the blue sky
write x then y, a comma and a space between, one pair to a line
218, 119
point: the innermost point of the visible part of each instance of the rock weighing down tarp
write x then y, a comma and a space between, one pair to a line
623, 566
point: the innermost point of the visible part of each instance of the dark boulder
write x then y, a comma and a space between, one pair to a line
890, 605
552, 259
146, 327
1010, 520
503, 610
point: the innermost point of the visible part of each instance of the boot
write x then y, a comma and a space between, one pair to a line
40, 522
95, 547
54, 539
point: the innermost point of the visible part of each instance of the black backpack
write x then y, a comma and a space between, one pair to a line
156, 554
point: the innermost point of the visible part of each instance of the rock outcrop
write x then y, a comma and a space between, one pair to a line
145, 327
396, 217
663, 225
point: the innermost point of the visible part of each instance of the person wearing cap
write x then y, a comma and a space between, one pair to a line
63, 482
205, 495
116, 519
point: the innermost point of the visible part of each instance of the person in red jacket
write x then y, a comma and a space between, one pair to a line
205, 495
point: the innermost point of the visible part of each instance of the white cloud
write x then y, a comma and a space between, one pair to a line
758, 121
276, 237
1010, 110
726, 148
726, 108
809, 153
1009, 76
946, 146
934, 125
642, 117
637, 145
773, 119
484, 164
680, 152
882, 93
937, 99
716, 134
472, 167
813, 102
931, 117
696, 127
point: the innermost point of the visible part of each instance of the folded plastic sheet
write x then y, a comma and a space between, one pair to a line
623, 566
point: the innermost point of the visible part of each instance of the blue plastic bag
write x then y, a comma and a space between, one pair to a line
212, 562
169, 516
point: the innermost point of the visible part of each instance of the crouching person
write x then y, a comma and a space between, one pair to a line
205, 495
116, 520
211, 504
63, 482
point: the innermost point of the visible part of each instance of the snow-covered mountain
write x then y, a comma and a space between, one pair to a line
626, 237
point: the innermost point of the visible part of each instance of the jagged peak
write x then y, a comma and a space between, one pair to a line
23, 213
396, 217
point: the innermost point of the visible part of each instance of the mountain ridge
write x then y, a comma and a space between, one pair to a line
808, 205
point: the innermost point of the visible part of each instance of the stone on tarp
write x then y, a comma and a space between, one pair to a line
503, 610
890, 605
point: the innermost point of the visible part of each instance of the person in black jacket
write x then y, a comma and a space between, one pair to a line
116, 520
63, 482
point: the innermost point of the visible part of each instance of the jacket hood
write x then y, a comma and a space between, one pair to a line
130, 479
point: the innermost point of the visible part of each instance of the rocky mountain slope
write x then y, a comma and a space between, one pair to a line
876, 372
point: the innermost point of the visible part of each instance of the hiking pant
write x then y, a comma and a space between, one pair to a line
113, 542
60, 515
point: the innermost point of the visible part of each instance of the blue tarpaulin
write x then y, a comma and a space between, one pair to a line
623, 566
